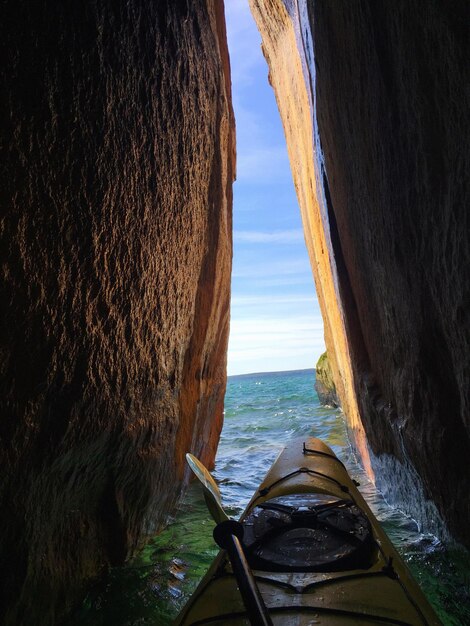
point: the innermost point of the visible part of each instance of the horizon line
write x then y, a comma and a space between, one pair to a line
306, 369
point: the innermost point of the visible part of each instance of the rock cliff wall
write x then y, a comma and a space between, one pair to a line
117, 140
387, 132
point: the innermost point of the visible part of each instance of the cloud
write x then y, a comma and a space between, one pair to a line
280, 267
262, 344
270, 299
263, 326
263, 164
295, 235
287, 281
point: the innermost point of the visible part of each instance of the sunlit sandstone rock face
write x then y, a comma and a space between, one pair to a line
118, 157
375, 108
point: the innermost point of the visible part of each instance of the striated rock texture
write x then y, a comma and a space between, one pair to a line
388, 129
291, 74
117, 139
324, 382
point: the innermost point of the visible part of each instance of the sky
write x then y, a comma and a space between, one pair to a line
276, 323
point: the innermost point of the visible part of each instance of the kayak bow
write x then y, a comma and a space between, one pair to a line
316, 551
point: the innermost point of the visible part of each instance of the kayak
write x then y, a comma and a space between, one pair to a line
317, 553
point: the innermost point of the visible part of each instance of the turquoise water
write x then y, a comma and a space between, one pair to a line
262, 412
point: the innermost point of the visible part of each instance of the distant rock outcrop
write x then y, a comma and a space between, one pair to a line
324, 382
375, 108
117, 140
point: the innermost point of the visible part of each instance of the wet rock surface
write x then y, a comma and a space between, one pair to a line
390, 130
324, 382
117, 140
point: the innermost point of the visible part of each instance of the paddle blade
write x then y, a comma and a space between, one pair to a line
211, 491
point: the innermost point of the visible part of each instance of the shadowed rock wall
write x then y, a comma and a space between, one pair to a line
117, 140
389, 102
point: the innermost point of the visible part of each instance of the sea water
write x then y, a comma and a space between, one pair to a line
262, 412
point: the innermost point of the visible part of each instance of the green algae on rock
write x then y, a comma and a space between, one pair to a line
324, 383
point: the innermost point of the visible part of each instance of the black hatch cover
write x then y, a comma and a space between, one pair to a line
308, 533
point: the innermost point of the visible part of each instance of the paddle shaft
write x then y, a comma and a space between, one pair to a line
251, 596
227, 535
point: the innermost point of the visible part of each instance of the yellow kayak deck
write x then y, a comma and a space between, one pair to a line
383, 592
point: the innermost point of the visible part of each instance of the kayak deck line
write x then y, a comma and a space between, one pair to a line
306, 450
301, 470
364, 617
386, 571
313, 546
311, 587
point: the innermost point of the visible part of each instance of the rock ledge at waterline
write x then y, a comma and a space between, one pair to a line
324, 383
